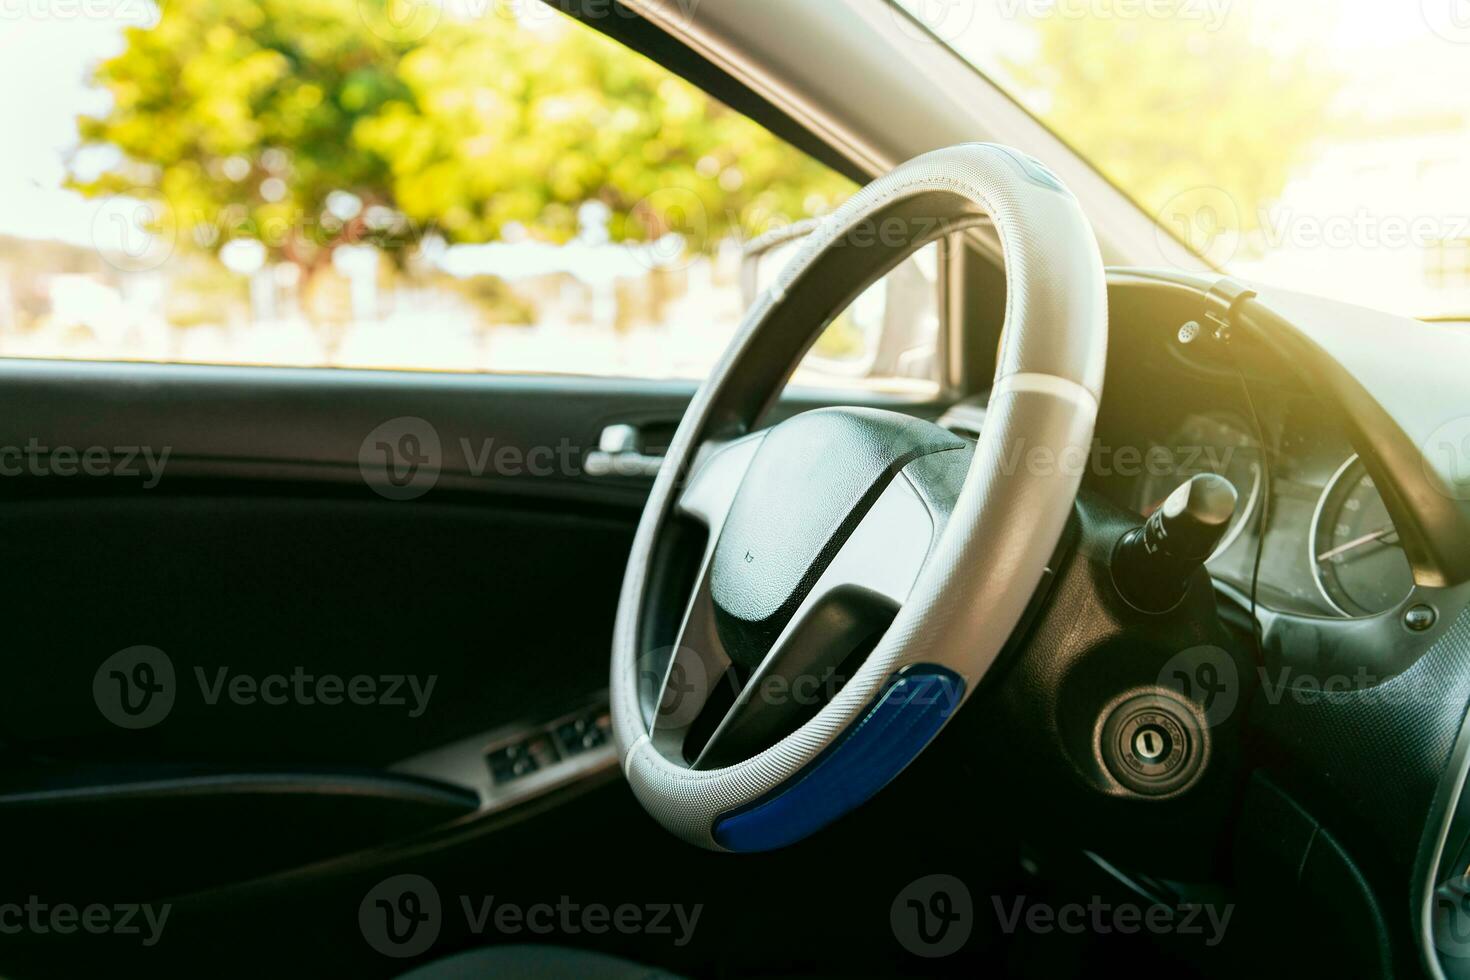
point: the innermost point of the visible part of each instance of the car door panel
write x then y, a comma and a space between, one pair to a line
262, 556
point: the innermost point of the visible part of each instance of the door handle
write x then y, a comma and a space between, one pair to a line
619, 453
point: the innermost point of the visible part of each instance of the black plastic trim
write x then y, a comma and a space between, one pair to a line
625, 25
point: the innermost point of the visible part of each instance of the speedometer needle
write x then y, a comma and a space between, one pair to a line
1383, 532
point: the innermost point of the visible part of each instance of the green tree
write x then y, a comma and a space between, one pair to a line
294, 124
240, 116
1176, 109
504, 125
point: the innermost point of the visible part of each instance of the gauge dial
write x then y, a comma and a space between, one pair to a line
1355, 553
1207, 444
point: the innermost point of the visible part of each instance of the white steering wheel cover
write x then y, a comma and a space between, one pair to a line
1018, 494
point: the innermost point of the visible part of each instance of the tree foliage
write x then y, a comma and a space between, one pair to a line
1176, 109
295, 124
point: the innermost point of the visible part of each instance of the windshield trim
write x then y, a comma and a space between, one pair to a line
879, 104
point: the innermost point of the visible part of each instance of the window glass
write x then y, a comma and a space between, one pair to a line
378, 184
1322, 145
889, 336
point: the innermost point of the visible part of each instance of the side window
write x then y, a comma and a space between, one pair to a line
888, 338
336, 184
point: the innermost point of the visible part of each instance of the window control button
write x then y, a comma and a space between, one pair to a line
549, 746
513, 761
587, 732
542, 750
570, 736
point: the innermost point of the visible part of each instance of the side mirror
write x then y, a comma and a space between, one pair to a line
889, 332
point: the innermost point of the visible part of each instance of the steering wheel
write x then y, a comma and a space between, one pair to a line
806, 607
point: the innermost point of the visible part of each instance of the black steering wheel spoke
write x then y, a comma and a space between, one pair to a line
711, 709
714, 480
849, 607
678, 681
698, 667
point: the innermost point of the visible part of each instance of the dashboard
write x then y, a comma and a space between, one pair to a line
1311, 534
1345, 576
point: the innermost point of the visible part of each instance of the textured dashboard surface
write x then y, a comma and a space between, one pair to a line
1374, 757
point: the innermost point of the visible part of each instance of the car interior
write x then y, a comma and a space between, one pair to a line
1122, 627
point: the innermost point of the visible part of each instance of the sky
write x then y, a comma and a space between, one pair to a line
44, 61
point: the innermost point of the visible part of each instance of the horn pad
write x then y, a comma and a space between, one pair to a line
811, 482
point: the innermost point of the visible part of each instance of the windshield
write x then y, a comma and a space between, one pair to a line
1322, 145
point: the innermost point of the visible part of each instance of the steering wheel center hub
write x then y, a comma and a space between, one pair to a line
811, 483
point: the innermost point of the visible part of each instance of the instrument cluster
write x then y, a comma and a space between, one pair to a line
1304, 500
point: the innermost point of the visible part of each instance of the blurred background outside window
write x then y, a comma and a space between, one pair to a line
389, 184
1320, 145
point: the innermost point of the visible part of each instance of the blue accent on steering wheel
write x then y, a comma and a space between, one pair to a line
905, 718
